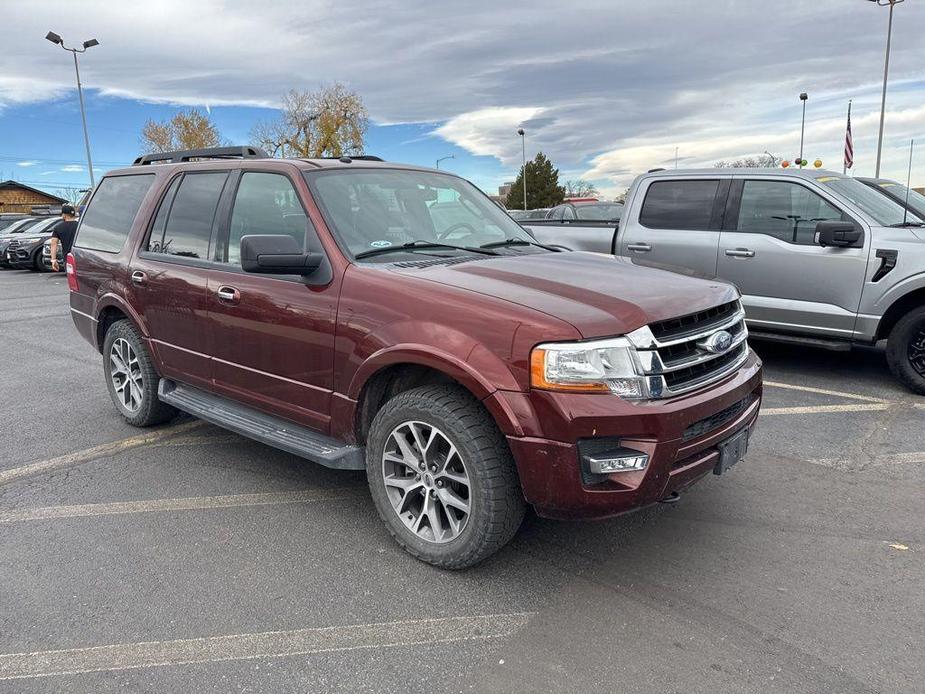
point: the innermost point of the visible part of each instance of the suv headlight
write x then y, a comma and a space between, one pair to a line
30, 240
602, 366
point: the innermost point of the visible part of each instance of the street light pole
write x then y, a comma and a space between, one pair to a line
450, 156
886, 70
803, 97
523, 154
54, 38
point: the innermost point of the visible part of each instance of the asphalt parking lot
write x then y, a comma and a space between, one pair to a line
188, 559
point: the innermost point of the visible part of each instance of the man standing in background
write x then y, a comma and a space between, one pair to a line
63, 234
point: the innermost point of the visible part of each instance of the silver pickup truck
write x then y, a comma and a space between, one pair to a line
820, 258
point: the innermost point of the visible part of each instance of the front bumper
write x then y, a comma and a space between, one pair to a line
22, 256
680, 436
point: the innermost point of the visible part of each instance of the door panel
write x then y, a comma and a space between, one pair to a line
788, 283
678, 225
273, 337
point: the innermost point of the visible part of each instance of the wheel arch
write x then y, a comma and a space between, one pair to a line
111, 309
899, 308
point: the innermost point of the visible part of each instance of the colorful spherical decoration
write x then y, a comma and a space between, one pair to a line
818, 163
803, 163
785, 163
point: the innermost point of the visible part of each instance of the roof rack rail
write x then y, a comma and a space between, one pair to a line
241, 152
356, 157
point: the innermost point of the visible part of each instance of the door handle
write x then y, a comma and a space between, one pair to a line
639, 247
139, 278
740, 253
229, 295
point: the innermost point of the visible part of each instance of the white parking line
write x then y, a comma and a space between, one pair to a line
822, 409
95, 452
193, 503
824, 391
269, 644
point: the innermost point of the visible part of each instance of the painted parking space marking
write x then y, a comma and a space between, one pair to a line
193, 503
101, 451
269, 644
824, 391
822, 409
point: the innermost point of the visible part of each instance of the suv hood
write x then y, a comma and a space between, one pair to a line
600, 295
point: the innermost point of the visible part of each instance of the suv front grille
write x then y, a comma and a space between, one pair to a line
676, 356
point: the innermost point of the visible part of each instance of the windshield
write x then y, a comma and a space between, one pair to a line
381, 208
916, 199
599, 212
21, 225
878, 206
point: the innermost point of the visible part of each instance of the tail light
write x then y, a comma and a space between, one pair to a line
70, 268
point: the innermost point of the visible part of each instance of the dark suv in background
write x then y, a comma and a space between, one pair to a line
324, 307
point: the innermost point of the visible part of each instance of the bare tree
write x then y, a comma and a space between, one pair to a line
580, 188
72, 194
761, 161
191, 129
330, 122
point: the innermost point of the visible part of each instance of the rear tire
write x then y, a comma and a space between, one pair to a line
905, 350
467, 465
131, 378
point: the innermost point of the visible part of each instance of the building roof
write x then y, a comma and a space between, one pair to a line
23, 186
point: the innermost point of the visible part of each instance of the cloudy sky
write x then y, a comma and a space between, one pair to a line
606, 89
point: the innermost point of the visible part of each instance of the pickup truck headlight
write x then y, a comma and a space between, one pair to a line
602, 366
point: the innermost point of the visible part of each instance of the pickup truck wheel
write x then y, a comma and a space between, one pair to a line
905, 350
442, 477
131, 377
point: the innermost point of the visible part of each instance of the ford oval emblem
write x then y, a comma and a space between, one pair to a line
717, 343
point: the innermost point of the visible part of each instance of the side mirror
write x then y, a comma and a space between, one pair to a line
838, 234
277, 254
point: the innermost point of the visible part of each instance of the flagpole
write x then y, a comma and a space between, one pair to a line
844, 163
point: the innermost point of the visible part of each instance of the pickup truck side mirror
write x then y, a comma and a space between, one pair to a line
277, 254
838, 234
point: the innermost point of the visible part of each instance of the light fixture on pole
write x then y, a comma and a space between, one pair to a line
886, 70
54, 38
803, 97
523, 153
449, 156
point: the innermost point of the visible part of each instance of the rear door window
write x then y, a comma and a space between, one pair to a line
786, 211
187, 230
107, 221
679, 205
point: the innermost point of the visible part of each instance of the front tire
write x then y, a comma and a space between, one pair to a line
905, 350
131, 378
442, 477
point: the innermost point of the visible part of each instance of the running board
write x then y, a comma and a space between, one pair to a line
273, 431
820, 342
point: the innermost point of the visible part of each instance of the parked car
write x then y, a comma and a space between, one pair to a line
578, 225
586, 211
522, 215
46, 256
821, 259
319, 307
911, 199
8, 218
24, 250
12, 232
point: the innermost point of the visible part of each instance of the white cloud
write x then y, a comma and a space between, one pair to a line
26, 163
610, 90
72, 168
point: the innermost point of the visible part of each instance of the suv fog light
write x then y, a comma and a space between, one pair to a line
607, 462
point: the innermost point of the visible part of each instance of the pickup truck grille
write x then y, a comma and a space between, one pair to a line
677, 355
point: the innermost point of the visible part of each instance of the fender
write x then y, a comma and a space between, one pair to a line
898, 291
112, 300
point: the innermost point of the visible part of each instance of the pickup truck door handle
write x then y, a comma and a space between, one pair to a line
639, 247
139, 278
740, 252
227, 294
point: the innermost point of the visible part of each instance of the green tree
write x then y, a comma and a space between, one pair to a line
543, 189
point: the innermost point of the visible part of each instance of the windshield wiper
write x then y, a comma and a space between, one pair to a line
519, 242
907, 224
419, 245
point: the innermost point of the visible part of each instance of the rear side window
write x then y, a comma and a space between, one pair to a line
107, 221
679, 205
187, 228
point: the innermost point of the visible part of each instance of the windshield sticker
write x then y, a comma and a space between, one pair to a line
380, 244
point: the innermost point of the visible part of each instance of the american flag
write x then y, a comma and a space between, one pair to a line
849, 145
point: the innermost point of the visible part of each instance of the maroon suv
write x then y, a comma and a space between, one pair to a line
369, 315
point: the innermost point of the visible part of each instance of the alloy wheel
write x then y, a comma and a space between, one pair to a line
426, 481
125, 372
917, 352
